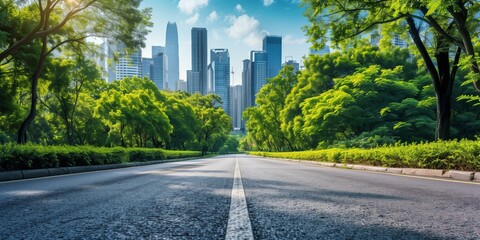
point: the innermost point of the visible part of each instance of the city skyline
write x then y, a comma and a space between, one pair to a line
235, 25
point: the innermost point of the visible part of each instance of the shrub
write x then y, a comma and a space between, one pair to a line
16, 157
449, 155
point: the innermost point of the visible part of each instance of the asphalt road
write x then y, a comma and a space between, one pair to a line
191, 200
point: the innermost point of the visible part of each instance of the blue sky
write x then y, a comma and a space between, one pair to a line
238, 25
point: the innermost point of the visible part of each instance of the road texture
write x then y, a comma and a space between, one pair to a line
191, 200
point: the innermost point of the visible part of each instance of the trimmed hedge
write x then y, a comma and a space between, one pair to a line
21, 157
449, 155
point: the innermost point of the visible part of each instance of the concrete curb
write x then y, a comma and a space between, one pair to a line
36, 173
452, 174
476, 177
460, 175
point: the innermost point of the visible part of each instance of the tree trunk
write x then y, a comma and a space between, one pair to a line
443, 115
442, 78
22, 132
443, 90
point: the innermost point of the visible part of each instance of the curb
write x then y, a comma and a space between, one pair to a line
46, 172
452, 174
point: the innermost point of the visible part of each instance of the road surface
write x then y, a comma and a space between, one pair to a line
192, 200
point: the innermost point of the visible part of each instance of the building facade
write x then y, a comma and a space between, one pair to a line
147, 64
272, 46
258, 61
295, 64
159, 69
219, 69
182, 85
128, 65
171, 50
200, 57
193, 81
236, 110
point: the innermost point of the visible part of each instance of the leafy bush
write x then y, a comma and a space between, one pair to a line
458, 155
16, 157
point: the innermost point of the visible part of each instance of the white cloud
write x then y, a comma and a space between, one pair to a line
193, 19
267, 3
190, 6
239, 8
216, 34
291, 40
247, 29
212, 17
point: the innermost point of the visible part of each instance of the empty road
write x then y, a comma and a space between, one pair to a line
192, 200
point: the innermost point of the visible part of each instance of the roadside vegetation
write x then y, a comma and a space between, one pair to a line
449, 155
29, 156
371, 102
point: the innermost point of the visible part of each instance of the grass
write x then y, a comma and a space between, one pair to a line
449, 155
20, 157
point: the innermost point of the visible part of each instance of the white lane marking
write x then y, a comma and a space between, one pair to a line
239, 225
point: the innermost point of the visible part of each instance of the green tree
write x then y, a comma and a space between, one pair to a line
318, 77
215, 124
133, 109
51, 24
182, 117
70, 81
264, 121
450, 27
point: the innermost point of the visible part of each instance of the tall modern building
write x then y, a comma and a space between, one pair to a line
128, 65
258, 60
181, 85
219, 69
236, 93
200, 57
272, 45
247, 84
171, 49
295, 64
193, 81
159, 69
147, 65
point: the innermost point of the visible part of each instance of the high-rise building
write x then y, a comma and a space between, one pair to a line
181, 85
147, 65
200, 57
193, 81
295, 64
219, 69
236, 93
272, 46
159, 71
246, 88
259, 72
171, 49
128, 65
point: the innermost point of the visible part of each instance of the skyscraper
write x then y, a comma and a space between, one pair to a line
272, 45
295, 64
246, 87
128, 65
171, 49
220, 75
236, 106
258, 60
193, 81
159, 71
199, 57
147, 64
